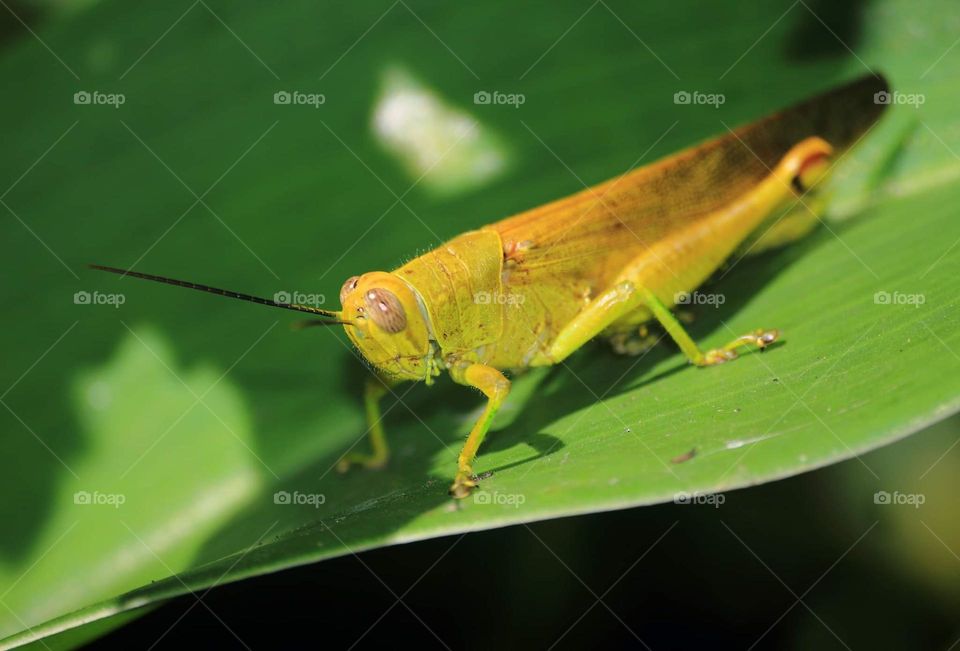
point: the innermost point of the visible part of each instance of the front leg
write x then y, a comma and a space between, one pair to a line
375, 388
496, 387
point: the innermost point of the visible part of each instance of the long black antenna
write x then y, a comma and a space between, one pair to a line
219, 292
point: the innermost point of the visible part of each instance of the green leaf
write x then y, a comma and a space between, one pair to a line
151, 441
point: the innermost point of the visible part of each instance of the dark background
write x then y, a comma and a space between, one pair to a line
870, 577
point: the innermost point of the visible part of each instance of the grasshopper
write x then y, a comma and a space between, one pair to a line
531, 289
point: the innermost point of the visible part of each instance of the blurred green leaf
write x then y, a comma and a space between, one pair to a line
199, 411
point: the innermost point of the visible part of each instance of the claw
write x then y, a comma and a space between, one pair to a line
463, 484
766, 338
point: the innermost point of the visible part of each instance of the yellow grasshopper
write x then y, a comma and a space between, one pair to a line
531, 289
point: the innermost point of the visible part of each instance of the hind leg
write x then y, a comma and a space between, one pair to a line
697, 250
761, 337
624, 299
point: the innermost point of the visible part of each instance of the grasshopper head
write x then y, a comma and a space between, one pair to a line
385, 321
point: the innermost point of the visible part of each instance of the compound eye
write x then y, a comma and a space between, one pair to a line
348, 286
384, 308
